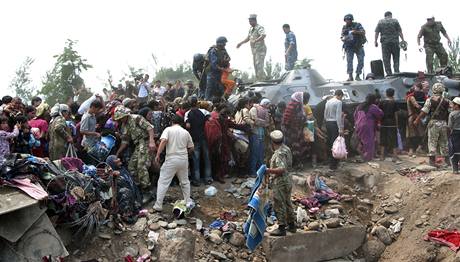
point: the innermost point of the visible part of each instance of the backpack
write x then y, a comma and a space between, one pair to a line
213, 132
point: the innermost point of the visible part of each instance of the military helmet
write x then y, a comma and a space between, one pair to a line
348, 17
120, 112
403, 45
438, 88
198, 57
221, 40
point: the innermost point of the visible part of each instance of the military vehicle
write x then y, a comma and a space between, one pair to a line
355, 92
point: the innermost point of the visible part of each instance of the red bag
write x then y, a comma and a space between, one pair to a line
213, 132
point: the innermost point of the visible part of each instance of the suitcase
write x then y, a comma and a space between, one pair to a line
377, 69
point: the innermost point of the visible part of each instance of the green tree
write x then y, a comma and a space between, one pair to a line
454, 55
181, 72
64, 79
303, 64
272, 69
21, 82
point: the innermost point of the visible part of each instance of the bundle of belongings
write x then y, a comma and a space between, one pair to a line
320, 194
79, 196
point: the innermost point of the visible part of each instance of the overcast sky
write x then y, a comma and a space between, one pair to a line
115, 34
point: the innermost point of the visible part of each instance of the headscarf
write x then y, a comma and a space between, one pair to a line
120, 112
41, 109
58, 109
297, 97
265, 102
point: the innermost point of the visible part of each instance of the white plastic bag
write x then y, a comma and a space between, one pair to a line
339, 149
210, 191
85, 105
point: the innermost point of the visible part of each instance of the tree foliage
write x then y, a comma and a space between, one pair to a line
181, 72
303, 64
454, 55
21, 82
272, 69
64, 79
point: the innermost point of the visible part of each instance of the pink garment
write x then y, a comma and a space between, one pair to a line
366, 130
33, 190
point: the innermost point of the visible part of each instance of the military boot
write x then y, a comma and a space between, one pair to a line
279, 232
292, 228
432, 161
350, 77
357, 78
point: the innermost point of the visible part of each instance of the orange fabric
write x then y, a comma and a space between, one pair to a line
227, 83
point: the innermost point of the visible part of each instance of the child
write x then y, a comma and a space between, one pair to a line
5, 137
26, 140
226, 82
454, 138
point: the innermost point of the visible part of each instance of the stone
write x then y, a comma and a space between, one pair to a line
313, 225
131, 251
176, 245
214, 238
333, 202
424, 217
181, 222
163, 223
386, 222
332, 222
105, 236
217, 232
390, 209
398, 195
373, 249
332, 212
313, 245
237, 239
383, 234
172, 225
154, 226
218, 255
140, 224
366, 201
418, 223
362, 208
425, 168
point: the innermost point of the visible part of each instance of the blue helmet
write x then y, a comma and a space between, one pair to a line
348, 17
221, 40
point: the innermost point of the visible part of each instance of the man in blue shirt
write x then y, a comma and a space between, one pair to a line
290, 48
218, 59
353, 37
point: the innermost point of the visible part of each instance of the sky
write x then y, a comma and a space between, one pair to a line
113, 35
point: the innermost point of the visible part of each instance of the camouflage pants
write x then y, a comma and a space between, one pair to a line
139, 164
437, 138
430, 51
258, 59
282, 204
390, 50
359, 55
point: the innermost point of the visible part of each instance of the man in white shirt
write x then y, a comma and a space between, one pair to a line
158, 89
143, 87
178, 144
334, 123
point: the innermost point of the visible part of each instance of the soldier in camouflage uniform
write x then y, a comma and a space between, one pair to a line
390, 31
437, 107
256, 38
432, 42
281, 184
137, 131
59, 133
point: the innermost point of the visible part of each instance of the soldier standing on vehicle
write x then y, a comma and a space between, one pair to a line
256, 37
390, 31
353, 37
432, 42
290, 48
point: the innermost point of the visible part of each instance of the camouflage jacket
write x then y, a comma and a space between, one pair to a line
430, 33
254, 33
135, 129
282, 158
389, 30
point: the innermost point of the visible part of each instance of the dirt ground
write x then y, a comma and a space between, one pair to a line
423, 202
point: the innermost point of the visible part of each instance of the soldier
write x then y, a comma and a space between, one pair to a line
290, 48
432, 42
256, 38
218, 59
59, 133
353, 37
199, 65
281, 184
137, 131
438, 109
390, 31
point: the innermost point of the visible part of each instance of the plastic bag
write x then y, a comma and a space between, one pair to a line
339, 149
210, 191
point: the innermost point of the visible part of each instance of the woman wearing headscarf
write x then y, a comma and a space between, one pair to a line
259, 120
294, 120
39, 127
366, 117
59, 133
